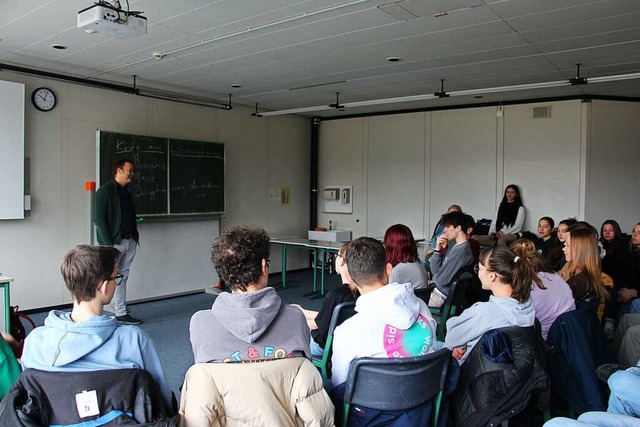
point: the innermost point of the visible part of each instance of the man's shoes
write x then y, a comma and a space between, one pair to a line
605, 371
127, 319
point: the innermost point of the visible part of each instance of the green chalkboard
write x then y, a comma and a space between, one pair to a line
149, 155
172, 176
196, 176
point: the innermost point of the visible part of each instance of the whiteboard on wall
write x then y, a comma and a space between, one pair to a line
11, 150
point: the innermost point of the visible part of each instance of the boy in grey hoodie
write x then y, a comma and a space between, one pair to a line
250, 323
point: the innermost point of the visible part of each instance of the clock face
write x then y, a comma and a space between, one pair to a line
43, 99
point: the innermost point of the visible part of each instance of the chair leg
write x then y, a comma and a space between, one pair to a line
436, 408
345, 415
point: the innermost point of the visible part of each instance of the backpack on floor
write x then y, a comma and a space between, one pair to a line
18, 330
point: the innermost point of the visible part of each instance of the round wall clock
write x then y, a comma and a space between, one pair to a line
43, 99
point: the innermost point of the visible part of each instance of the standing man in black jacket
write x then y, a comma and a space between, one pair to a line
115, 219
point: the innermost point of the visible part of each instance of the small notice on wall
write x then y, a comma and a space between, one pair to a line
338, 198
280, 195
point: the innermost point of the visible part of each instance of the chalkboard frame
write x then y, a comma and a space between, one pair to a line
166, 215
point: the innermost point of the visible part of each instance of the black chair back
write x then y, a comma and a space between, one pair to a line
396, 384
454, 303
456, 296
123, 396
341, 312
425, 293
590, 302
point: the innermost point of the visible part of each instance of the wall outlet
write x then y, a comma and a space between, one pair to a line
274, 195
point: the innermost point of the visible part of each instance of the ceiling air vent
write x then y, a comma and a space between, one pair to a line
541, 112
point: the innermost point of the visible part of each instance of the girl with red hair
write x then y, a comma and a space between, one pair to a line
402, 254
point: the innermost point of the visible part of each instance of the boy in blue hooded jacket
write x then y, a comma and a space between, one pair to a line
85, 339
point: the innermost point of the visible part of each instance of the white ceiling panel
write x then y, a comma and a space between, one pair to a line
578, 43
514, 8
13, 10
272, 46
582, 13
26, 30
581, 29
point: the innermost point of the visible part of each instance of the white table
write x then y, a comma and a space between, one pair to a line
315, 246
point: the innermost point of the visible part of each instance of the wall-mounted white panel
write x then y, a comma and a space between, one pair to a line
396, 173
614, 155
341, 160
463, 162
542, 157
12, 102
169, 253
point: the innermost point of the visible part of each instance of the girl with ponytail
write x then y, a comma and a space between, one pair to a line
509, 277
551, 295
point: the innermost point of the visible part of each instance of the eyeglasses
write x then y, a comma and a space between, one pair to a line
339, 255
117, 278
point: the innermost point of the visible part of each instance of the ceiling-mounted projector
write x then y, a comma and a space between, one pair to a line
114, 21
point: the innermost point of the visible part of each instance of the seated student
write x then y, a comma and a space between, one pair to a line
616, 246
556, 258
582, 269
509, 277
390, 321
628, 294
550, 294
445, 266
508, 220
250, 323
437, 231
318, 321
626, 339
86, 339
624, 404
402, 254
547, 240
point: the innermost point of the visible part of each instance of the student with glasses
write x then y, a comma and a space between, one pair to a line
86, 339
509, 278
318, 321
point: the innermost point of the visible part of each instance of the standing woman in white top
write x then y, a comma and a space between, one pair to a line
507, 222
402, 254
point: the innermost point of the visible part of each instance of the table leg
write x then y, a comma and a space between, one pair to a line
314, 292
320, 294
284, 266
7, 308
283, 284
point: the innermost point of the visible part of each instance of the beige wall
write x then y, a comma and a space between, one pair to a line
173, 256
581, 161
613, 185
